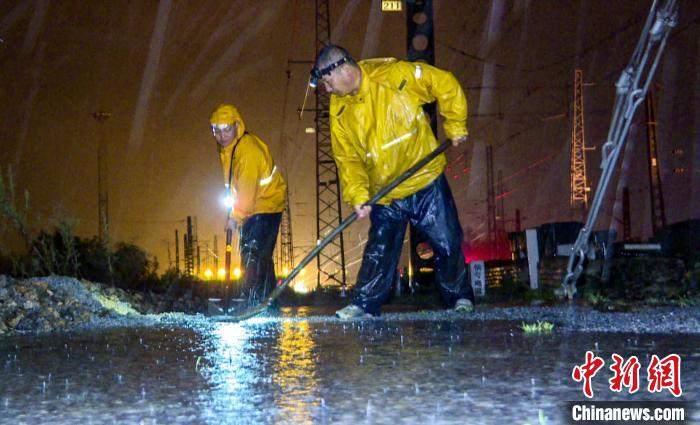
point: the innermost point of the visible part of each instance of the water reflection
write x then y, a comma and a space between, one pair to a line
232, 370
295, 373
312, 369
264, 370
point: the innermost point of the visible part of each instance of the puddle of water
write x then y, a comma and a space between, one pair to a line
317, 370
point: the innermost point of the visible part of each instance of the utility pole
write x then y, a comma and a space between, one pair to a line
102, 190
490, 202
330, 261
501, 215
216, 256
102, 172
579, 187
420, 47
177, 253
658, 214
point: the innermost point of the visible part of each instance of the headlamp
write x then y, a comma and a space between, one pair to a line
317, 74
220, 128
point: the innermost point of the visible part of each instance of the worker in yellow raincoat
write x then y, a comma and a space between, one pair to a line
258, 192
378, 131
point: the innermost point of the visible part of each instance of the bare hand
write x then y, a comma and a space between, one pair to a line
458, 140
362, 210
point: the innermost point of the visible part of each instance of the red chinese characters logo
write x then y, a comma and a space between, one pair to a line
626, 374
661, 374
665, 373
587, 371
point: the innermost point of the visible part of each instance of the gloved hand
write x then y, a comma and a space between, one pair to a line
459, 140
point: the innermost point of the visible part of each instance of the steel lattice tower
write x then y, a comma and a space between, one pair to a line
579, 193
658, 214
286, 248
189, 248
331, 261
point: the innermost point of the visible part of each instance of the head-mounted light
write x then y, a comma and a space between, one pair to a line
317, 74
220, 128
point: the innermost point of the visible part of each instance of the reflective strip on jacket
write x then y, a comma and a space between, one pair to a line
382, 131
257, 185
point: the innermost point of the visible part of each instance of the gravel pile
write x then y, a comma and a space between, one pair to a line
55, 304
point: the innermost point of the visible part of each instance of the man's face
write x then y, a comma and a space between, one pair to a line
224, 133
338, 82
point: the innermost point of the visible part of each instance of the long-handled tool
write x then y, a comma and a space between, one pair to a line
254, 311
227, 278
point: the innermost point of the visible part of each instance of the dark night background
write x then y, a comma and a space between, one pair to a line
161, 67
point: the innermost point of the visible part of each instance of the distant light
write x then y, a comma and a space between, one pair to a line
237, 272
300, 287
208, 273
221, 273
285, 271
309, 130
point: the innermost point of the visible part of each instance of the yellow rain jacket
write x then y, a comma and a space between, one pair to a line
256, 184
382, 131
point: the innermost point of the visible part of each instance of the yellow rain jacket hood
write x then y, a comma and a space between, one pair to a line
382, 131
256, 184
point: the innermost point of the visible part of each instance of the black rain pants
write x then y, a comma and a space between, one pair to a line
432, 211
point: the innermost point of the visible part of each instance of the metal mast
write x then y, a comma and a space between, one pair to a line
579, 192
658, 215
631, 88
331, 261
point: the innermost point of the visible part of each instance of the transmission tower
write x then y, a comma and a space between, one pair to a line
285, 256
189, 239
658, 215
331, 261
579, 188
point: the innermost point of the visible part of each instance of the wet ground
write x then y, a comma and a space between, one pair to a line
305, 368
